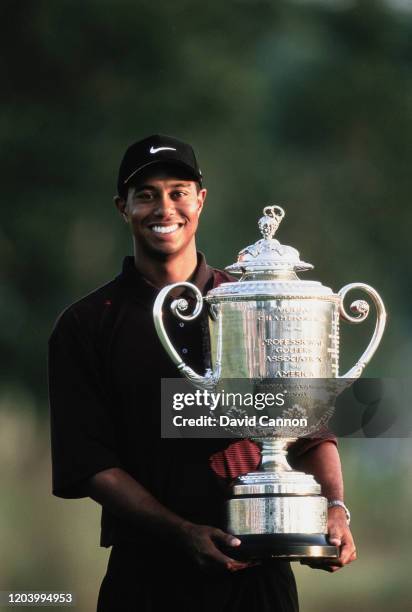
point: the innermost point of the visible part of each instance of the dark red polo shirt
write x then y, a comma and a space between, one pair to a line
105, 367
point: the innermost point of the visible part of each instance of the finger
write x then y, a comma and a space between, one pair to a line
225, 538
246, 564
217, 557
347, 550
321, 566
329, 565
328, 568
237, 565
334, 568
353, 557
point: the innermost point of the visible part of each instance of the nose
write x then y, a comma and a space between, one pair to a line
165, 206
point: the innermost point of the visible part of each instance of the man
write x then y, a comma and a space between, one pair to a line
162, 500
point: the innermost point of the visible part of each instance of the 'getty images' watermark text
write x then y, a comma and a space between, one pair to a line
212, 400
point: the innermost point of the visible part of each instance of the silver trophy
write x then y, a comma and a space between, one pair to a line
271, 328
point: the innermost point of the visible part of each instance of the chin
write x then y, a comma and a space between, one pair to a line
165, 251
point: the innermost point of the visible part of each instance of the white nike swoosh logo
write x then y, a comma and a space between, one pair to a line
153, 150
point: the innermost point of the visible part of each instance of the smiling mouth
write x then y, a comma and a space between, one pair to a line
165, 229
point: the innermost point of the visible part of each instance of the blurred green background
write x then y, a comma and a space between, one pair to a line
302, 103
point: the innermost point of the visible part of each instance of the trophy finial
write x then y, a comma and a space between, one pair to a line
268, 256
269, 223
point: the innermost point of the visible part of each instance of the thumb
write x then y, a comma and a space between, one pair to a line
226, 538
334, 539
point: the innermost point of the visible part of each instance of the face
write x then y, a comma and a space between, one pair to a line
163, 212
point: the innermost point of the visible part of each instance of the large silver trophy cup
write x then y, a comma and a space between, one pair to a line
272, 326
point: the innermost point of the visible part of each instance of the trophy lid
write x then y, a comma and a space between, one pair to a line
268, 256
268, 268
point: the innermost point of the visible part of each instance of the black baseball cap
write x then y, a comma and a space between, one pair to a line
154, 150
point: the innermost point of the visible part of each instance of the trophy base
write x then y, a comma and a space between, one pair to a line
288, 546
277, 512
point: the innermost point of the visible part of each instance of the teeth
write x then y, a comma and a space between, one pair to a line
162, 229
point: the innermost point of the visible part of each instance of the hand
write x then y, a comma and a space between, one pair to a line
200, 541
339, 535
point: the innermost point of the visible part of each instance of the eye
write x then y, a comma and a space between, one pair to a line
144, 196
176, 195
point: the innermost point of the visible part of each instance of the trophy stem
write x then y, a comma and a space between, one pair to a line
274, 454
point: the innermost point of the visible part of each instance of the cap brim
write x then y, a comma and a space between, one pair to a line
164, 160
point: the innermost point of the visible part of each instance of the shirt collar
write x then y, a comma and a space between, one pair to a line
130, 277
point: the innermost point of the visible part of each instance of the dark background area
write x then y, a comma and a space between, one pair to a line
304, 104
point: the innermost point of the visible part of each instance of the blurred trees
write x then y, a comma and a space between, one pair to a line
307, 104
302, 103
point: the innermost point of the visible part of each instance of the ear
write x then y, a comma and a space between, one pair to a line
121, 204
201, 197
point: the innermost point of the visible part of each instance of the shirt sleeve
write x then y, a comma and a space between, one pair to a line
82, 429
303, 445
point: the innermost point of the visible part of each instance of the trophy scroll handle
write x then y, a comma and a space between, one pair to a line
361, 310
178, 307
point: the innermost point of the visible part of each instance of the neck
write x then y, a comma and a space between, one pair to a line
162, 272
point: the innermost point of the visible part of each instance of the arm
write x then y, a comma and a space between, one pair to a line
85, 449
324, 463
126, 498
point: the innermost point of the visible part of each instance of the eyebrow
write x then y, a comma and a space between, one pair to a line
153, 188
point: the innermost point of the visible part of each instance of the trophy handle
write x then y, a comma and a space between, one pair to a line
361, 308
178, 306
